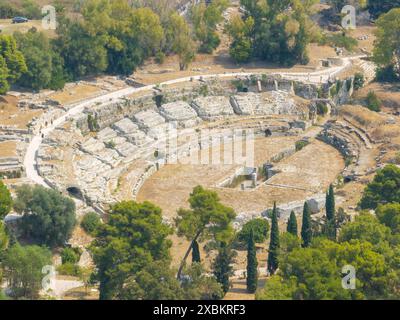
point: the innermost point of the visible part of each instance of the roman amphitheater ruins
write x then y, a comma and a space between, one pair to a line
250, 137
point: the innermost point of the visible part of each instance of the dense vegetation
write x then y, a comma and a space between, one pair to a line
386, 52
136, 237
276, 31
370, 244
48, 217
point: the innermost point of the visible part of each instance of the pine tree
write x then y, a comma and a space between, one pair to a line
292, 224
252, 276
273, 251
222, 266
195, 252
306, 226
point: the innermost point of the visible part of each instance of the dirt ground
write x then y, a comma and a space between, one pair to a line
7, 27
11, 115
8, 149
220, 62
313, 168
75, 93
360, 32
388, 93
238, 290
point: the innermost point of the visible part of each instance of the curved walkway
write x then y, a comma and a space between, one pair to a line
30, 160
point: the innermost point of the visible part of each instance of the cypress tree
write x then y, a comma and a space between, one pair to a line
273, 251
306, 226
330, 227
222, 266
195, 252
292, 224
252, 276
330, 204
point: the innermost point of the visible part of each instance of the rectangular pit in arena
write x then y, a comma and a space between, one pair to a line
213, 107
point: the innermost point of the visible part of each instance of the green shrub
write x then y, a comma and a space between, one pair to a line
160, 57
91, 222
301, 144
397, 158
240, 85
373, 102
69, 269
359, 81
203, 90
110, 144
260, 229
8, 11
322, 108
92, 123
387, 74
342, 41
70, 255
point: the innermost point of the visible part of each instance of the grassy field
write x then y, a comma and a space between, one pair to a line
7, 27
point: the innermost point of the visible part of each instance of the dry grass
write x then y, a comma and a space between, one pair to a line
363, 116
387, 131
7, 27
71, 94
11, 115
389, 94
8, 149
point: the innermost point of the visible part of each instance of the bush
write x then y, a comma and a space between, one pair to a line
342, 41
385, 188
301, 144
387, 74
359, 81
211, 43
5, 200
260, 229
160, 57
70, 255
240, 85
322, 108
8, 11
92, 123
91, 222
240, 50
373, 102
203, 90
110, 144
48, 216
69, 269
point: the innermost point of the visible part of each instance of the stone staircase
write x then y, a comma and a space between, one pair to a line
369, 69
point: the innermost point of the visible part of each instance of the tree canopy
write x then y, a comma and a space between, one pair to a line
259, 227
385, 188
48, 216
386, 50
23, 269
207, 219
133, 238
5, 200
279, 31
12, 62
